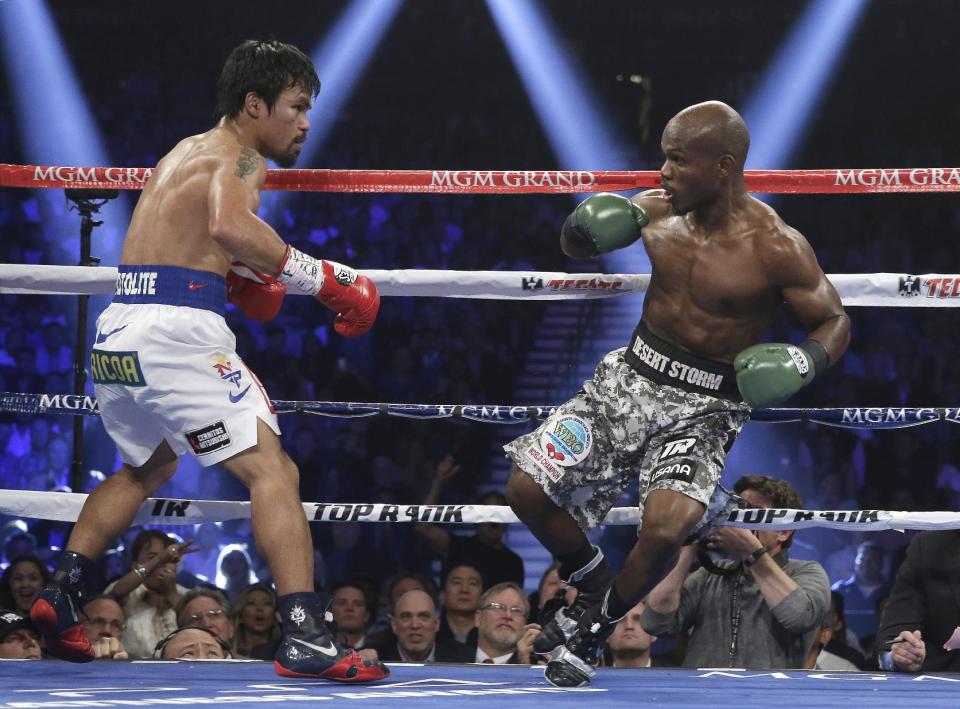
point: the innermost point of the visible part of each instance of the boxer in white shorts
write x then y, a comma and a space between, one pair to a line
171, 372
164, 363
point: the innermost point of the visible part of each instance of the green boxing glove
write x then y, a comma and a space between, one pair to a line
772, 372
608, 220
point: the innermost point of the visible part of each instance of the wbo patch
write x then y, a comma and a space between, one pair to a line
209, 438
116, 368
567, 441
676, 446
683, 470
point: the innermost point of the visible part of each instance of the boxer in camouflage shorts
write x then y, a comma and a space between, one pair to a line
624, 424
668, 406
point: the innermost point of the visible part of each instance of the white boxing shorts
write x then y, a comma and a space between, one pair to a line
165, 367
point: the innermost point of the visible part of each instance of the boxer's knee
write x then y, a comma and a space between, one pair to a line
668, 518
524, 495
155, 472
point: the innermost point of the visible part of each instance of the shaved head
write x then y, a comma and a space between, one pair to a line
713, 128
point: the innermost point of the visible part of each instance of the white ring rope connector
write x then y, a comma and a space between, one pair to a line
935, 290
65, 507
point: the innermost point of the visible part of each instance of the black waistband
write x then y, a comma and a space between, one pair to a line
664, 363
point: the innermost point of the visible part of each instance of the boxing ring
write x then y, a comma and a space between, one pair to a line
130, 684
42, 685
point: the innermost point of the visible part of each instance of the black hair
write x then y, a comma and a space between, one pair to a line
161, 646
780, 493
145, 537
265, 67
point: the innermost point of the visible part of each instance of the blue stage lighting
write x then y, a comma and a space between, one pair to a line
780, 109
55, 123
340, 60
581, 138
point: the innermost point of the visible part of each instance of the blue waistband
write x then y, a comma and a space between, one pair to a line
171, 285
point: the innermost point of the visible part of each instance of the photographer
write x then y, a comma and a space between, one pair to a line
761, 613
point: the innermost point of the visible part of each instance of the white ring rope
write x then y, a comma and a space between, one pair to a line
855, 289
65, 507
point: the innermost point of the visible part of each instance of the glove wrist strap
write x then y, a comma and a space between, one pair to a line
301, 272
818, 353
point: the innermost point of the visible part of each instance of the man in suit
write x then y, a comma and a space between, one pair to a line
503, 634
415, 622
924, 607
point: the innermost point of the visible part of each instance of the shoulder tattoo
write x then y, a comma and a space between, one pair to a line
247, 163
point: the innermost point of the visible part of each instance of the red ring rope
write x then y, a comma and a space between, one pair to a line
839, 181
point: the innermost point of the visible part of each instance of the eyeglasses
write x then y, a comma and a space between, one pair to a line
500, 608
112, 624
211, 614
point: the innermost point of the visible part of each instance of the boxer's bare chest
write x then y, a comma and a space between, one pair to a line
721, 273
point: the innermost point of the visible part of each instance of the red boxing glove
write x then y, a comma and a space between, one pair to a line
258, 295
352, 296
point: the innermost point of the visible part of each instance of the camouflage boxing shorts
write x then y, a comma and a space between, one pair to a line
652, 411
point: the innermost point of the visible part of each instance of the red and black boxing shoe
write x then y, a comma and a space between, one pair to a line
55, 615
317, 656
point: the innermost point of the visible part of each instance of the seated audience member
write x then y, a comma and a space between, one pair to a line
863, 591
204, 607
257, 632
629, 643
503, 634
351, 613
103, 623
462, 588
923, 611
548, 589
19, 640
235, 570
820, 657
484, 550
778, 603
415, 624
21, 583
842, 642
149, 592
380, 633
192, 644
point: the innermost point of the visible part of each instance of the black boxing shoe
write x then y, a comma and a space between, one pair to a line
559, 622
574, 663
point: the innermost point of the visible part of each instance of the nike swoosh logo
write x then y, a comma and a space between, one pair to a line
103, 338
236, 397
196, 286
329, 650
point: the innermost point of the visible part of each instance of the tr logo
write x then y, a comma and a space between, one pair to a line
678, 446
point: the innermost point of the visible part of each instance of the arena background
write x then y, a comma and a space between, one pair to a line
116, 83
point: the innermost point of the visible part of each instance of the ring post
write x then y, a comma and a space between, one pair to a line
87, 203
